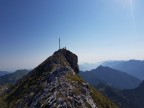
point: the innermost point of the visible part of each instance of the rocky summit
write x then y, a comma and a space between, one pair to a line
54, 84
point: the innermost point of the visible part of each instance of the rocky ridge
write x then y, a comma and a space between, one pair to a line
54, 84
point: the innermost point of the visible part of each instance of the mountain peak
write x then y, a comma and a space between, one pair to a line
70, 57
59, 59
141, 86
54, 83
115, 78
101, 67
104, 68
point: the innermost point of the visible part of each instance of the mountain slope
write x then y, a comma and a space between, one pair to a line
3, 73
129, 98
11, 78
133, 67
112, 77
54, 83
135, 96
90, 78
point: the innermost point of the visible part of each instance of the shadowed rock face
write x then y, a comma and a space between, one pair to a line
54, 83
71, 58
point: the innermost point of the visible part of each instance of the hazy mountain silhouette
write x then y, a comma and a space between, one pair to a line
88, 66
133, 67
111, 77
54, 83
3, 73
11, 78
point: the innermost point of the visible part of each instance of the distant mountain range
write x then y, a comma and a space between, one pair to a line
133, 67
89, 66
111, 77
3, 73
11, 78
122, 88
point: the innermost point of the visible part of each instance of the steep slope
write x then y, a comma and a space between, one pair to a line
3, 73
135, 96
114, 94
54, 83
3, 88
133, 67
129, 98
112, 77
11, 78
117, 96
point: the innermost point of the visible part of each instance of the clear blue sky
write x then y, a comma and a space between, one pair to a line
95, 30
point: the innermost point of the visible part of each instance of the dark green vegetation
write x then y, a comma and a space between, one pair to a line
111, 77
102, 101
54, 83
11, 78
133, 67
130, 98
135, 96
